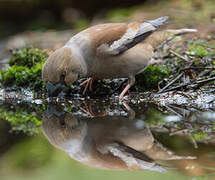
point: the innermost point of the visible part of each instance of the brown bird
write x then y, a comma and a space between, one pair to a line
113, 50
108, 142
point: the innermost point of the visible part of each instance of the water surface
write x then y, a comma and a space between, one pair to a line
96, 139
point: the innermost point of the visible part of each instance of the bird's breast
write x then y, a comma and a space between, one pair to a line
129, 63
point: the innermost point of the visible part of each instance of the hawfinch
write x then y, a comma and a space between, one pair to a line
108, 142
113, 50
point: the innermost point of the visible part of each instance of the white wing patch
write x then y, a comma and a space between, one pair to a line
128, 40
129, 35
145, 27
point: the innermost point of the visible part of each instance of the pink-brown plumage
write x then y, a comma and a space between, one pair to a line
111, 50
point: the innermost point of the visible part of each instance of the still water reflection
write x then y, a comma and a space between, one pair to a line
123, 142
119, 137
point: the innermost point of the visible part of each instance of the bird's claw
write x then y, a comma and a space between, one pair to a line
88, 85
88, 110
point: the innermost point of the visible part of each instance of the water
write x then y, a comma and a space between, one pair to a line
96, 139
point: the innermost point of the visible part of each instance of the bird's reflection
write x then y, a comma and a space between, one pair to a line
106, 142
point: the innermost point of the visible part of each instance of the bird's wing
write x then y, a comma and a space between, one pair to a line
132, 158
124, 36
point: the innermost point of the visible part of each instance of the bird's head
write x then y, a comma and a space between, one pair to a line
63, 129
61, 69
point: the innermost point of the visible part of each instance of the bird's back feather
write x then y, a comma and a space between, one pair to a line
134, 34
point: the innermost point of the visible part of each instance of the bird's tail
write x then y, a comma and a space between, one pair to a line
181, 31
159, 37
159, 21
164, 20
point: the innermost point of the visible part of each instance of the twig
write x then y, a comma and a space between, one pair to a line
174, 80
185, 95
177, 87
197, 83
169, 84
188, 68
202, 82
204, 73
178, 55
172, 110
179, 132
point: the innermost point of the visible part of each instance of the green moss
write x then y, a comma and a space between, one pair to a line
27, 57
21, 120
198, 50
151, 76
25, 69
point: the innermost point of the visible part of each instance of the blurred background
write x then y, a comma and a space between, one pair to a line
48, 24
24, 20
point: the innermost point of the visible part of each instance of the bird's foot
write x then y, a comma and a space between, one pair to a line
131, 112
88, 85
124, 98
88, 110
125, 90
127, 107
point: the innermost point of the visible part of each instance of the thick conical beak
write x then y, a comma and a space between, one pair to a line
54, 89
